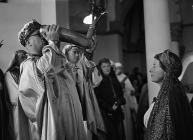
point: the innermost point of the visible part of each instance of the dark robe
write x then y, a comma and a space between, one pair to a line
181, 114
108, 92
6, 129
171, 117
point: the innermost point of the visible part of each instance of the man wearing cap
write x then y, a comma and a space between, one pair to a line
49, 102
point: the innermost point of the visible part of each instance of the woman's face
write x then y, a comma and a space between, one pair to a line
106, 68
74, 55
157, 73
21, 57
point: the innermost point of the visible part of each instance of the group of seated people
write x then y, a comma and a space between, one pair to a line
53, 92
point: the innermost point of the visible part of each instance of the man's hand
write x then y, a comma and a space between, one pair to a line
51, 33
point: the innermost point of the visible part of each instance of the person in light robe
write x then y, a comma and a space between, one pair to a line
48, 95
12, 76
86, 76
130, 108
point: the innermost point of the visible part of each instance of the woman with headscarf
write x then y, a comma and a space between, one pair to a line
110, 97
12, 77
170, 115
83, 71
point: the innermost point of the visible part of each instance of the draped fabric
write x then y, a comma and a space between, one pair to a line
6, 119
12, 76
90, 106
171, 116
12, 79
49, 99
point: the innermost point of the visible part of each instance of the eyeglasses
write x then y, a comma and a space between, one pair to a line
37, 34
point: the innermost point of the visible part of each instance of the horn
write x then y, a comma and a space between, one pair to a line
67, 35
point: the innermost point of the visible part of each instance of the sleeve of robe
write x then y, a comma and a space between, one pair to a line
31, 84
92, 72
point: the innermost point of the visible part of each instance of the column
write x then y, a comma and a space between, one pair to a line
157, 35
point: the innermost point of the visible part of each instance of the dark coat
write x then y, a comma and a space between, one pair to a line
108, 92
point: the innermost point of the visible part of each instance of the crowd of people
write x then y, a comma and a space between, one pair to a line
54, 92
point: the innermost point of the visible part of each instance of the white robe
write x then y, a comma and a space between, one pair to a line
49, 98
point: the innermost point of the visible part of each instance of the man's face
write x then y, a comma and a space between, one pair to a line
37, 41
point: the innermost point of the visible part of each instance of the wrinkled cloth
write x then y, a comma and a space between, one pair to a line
49, 98
13, 93
85, 70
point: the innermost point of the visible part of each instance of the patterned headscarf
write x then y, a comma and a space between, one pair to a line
27, 30
170, 63
161, 124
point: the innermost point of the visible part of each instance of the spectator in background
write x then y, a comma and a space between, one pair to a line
12, 77
6, 119
137, 81
110, 97
130, 108
142, 108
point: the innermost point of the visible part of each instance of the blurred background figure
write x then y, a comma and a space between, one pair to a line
12, 77
130, 108
137, 81
142, 108
110, 97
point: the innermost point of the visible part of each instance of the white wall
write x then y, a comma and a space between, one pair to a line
13, 15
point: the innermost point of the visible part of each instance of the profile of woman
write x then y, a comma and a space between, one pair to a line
170, 115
